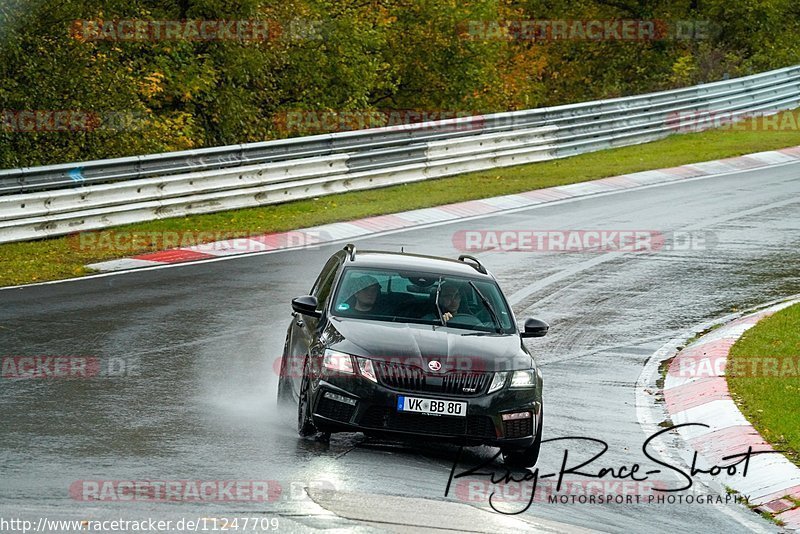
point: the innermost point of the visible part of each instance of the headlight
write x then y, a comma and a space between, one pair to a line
366, 369
523, 379
337, 362
498, 381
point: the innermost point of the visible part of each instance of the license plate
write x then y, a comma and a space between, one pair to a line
431, 406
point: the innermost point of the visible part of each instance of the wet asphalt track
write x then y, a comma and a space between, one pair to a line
203, 339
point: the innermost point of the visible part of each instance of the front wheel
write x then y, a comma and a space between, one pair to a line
529, 456
305, 425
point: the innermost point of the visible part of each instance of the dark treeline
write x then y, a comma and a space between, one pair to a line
83, 81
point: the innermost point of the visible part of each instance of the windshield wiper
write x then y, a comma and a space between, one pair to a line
480, 334
436, 302
498, 327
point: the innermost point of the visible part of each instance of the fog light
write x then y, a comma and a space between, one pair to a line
340, 398
517, 415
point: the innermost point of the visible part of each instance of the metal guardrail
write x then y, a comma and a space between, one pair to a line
60, 199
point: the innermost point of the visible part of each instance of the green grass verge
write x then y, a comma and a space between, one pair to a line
57, 258
763, 378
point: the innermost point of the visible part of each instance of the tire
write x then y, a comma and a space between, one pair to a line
305, 425
529, 456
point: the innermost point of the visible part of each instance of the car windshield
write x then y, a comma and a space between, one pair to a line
411, 296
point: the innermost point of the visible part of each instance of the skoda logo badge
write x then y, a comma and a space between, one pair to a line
434, 365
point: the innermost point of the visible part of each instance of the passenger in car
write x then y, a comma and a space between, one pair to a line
365, 298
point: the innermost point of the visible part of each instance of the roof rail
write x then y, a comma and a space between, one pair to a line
477, 265
351, 248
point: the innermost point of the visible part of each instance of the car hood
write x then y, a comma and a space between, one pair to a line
418, 345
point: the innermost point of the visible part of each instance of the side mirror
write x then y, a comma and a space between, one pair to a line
535, 328
307, 305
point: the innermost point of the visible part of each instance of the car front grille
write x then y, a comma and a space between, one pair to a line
480, 426
411, 378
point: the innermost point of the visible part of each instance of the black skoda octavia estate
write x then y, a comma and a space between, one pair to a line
409, 346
